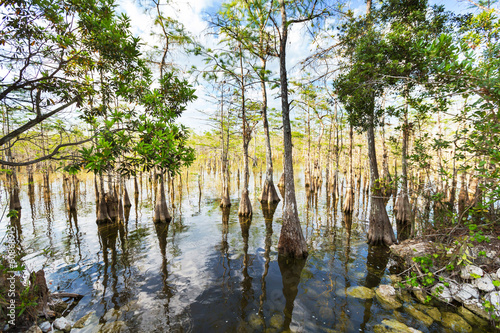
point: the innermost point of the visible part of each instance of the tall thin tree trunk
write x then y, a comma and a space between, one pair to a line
245, 208
291, 241
269, 194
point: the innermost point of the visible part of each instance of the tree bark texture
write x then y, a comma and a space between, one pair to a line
291, 241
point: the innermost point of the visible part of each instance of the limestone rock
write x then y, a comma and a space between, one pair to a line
463, 292
404, 296
471, 318
494, 299
360, 292
63, 324
34, 329
430, 311
419, 315
412, 248
386, 294
390, 325
82, 322
420, 295
45, 326
255, 322
442, 293
455, 322
276, 321
485, 284
476, 306
468, 271
114, 327
395, 278
112, 315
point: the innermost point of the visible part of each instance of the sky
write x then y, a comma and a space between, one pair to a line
193, 15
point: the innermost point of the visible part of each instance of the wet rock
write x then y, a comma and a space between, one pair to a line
412, 248
442, 293
471, 318
45, 326
360, 292
419, 315
395, 278
255, 322
485, 284
326, 313
386, 294
60, 307
112, 315
468, 272
390, 326
455, 322
420, 295
476, 306
463, 292
34, 329
404, 296
494, 299
114, 327
82, 322
276, 321
63, 324
430, 311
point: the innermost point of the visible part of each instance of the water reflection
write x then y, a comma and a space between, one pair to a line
291, 270
208, 271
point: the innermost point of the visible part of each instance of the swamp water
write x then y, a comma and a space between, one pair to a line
208, 270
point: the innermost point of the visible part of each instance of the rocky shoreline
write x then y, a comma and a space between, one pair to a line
473, 287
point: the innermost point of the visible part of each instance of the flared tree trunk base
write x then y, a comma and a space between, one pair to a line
291, 242
225, 202
102, 211
161, 214
380, 231
348, 207
245, 208
269, 194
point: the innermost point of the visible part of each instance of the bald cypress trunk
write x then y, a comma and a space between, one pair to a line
269, 194
349, 199
380, 229
291, 241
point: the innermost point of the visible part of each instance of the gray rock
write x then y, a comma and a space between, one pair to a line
494, 299
45, 326
498, 274
442, 293
63, 324
485, 284
34, 329
468, 271
463, 292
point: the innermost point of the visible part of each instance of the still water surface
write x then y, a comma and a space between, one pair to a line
208, 270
